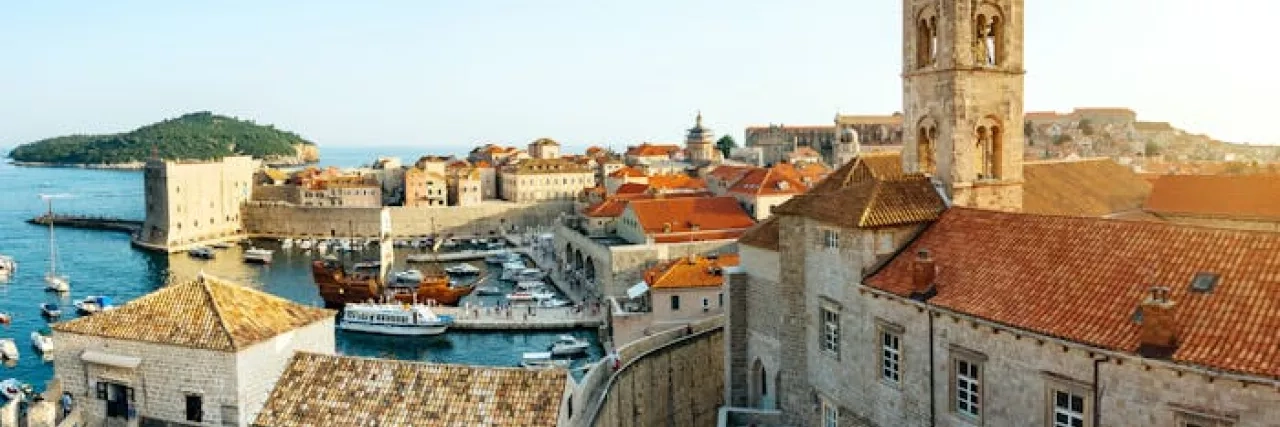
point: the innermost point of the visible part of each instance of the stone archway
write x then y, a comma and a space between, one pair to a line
590, 269
758, 384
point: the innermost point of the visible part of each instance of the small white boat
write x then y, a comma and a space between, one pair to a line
201, 253
462, 269
408, 276
221, 245
7, 268
43, 343
543, 294
257, 255
420, 258
519, 297
554, 303
393, 319
8, 350
567, 345
529, 274
11, 389
50, 310
541, 360
488, 290
510, 269
93, 305
286, 243
56, 283
305, 244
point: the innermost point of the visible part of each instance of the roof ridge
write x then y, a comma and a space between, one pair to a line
872, 200
204, 282
1101, 220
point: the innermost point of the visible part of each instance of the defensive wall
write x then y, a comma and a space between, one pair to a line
275, 219
616, 267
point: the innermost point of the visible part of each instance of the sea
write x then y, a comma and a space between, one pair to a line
104, 263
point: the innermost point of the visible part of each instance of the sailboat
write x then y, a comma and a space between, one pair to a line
53, 281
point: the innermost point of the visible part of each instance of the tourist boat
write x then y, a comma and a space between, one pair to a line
393, 319
8, 350
488, 290
567, 345
7, 268
201, 253
541, 360
462, 269
528, 274
12, 389
50, 310
419, 258
93, 305
53, 281
42, 343
408, 276
502, 258
554, 303
520, 296
257, 256
338, 286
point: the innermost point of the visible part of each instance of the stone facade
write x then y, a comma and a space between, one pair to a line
425, 187
193, 202
232, 386
700, 144
963, 98
274, 220
545, 179
464, 187
610, 269
677, 384
346, 195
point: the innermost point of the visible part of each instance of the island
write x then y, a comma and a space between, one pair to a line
195, 136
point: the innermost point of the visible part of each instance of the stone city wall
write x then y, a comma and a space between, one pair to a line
676, 384
621, 266
281, 220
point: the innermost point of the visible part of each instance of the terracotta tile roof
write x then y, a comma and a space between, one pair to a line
651, 150
594, 150
626, 172
323, 390
204, 313
611, 208
804, 152
807, 172
764, 235
690, 272
275, 174
865, 193
545, 141
768, 182
1090, 187
676, 181
1082, 279
730, 173
483, 164
1226, 196
682, 214
698, 236
632, 188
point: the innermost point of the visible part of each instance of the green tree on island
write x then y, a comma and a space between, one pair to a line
726, 144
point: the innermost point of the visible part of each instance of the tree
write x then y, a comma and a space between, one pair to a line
1027, 129
1153, 149
725, 144
1086, 127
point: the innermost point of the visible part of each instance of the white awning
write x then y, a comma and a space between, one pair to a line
637, 290
127, 362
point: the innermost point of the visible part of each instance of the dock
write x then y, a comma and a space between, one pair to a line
89, 222
519, 318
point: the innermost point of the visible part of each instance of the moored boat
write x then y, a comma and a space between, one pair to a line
408, 276
5, 318
7, 268
554, 303
520, 296
502, 258
488, 290
221, 245
462, 269
11, 389
528, 274
419, 258
56, 283
257, 255
50, 310
201, 252
393, 319
543, 295
338, 286
8, 350
567, 345
93, 305
42, 343
286, 243
541, 360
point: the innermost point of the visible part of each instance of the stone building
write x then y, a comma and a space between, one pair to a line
193, 202
536, 180
624, 175
648, 152
676, 293
700, 144
326, 390
464, 187
425, 187
203, 352
775, 141
544, 148
763, 188
341, 191
682, 219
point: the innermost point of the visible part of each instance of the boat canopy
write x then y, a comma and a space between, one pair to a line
536, 355
637, 290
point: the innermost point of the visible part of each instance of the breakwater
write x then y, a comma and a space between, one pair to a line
89, 222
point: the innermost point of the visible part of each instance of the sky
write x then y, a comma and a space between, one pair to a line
444, 75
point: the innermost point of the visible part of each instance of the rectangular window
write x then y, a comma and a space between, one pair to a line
890, 352
195, 408
721, 297
1188, 417
830, 414
966, 383
829, 321
1068, 402
830, 239
1068, 409
675, 303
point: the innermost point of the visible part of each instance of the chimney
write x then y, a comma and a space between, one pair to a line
1158, 333
666, 227
923, 273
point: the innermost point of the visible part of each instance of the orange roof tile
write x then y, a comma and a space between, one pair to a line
626, 172
804, 152
611, 208
865, 193
768, 182
730, 173
698, 236
676, 181
483, 164
650, 150
1090, 187
1082, 279
807, 172
690, 272
764, 235
684, 214
1227, 196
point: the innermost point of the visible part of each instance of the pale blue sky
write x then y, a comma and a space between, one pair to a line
448, 74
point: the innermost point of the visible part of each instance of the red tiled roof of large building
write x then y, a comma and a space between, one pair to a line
611, 208
764, 235
1088, 187
807, 172
1082, 279
698, 236
651, 150
690, 272
626, 172
1223, 196
730, 173
632, 188
768, 182
686, 214
676, 182
866, 193
804, 153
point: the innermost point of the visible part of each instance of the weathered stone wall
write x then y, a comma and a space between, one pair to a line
679, 385
276, 193
763, 318
277, 220
621, 266
260, 365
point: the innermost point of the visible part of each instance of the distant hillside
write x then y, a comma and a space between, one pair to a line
201, 135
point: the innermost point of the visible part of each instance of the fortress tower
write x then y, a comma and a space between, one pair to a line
194, 202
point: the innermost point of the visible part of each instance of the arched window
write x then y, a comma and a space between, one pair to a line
988, 46
989, 149
926, 146
926, 48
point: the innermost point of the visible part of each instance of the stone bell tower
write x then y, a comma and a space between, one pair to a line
962, 98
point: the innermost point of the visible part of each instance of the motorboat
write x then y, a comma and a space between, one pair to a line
305, 244
408, 276
554, 303
8, 350
567, 345
528, 274
502, 258
286, 243
519, 297
420, 258
462, 269
541, 360
12, 389
201, 253
43, 343
543, 294
488, 290
50, 310
7, 268
510, 269
322, 246
257, 256
221, 245
93, 305
367, 265
393, 319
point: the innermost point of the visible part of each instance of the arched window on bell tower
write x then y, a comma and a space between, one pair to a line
926, 37
989, 35
989, 149
926, 146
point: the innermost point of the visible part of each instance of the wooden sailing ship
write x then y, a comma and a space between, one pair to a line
339, 286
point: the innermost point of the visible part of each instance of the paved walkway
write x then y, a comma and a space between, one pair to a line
520, 317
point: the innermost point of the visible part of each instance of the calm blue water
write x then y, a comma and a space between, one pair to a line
103, 263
